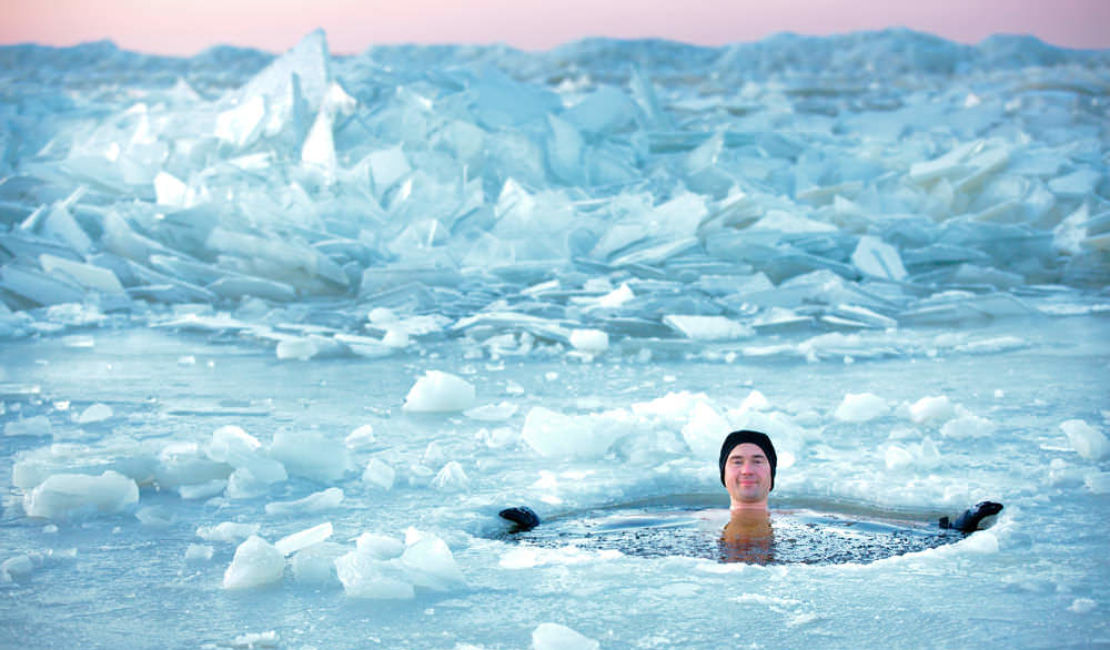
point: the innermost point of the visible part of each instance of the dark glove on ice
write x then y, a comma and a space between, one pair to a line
523, 516
971, 518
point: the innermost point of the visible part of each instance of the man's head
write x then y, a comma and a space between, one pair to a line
748, 462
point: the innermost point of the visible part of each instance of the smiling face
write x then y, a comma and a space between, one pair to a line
747, 477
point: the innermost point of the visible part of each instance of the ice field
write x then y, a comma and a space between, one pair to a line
279, 336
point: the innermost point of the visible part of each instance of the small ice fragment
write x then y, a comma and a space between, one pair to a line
616, 298
707, 328
50, 529
378, 473
227, 531
396, 338
62, 495
492, 412
256, 563
268, 639
16, 567
451, 478
931, 408
315, 502
187, 360
1082, 606
755, 401
967, 426
1087, 441
363, 436
292, 543
198, 553
381, 547
589, 340
301, 349
381, 316
95, 413
861, 407
513, 388
433, 454
705, 430
429, 563
552, 636
438, 392
38, 425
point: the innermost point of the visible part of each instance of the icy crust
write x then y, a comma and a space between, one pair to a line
362, 206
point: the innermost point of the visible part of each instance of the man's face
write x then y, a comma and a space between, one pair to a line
747, 476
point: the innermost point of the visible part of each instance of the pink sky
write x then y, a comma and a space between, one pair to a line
185, 27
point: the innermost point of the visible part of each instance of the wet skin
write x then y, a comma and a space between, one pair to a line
748, 537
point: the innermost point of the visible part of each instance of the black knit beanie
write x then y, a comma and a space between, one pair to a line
754, 437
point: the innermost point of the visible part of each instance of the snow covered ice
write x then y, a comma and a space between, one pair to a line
281, 334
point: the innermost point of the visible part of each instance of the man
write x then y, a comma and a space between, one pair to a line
748, 462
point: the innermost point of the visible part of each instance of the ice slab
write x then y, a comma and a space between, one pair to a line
315, 502
256, 563
1088, 442
861, 407
311, 454
553, 636
62, 496
439, 392
303, 539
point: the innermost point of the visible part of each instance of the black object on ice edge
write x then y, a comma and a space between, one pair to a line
523, 516
969, 521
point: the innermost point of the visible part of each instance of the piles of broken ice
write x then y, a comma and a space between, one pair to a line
686, 197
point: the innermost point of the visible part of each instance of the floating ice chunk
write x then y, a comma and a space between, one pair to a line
968, 426
931, 408
590, 341
311, 455
552, 636
861, 407
64, 495
705, 430
897, 457
37, 425
438, 392
256, 563
429, 563
451, 478
364, 576
381, 547
554, 434
198, 553
708, 328
155, 516
315, 502
1088, 442
295, 542
1082, 606
95, 413
267, 639
86, 275
299, 348
378, 473
616, 297
362, 436
879, 259
227, 531
15, 568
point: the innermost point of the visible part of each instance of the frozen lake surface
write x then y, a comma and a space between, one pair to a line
119, 580
279, 337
